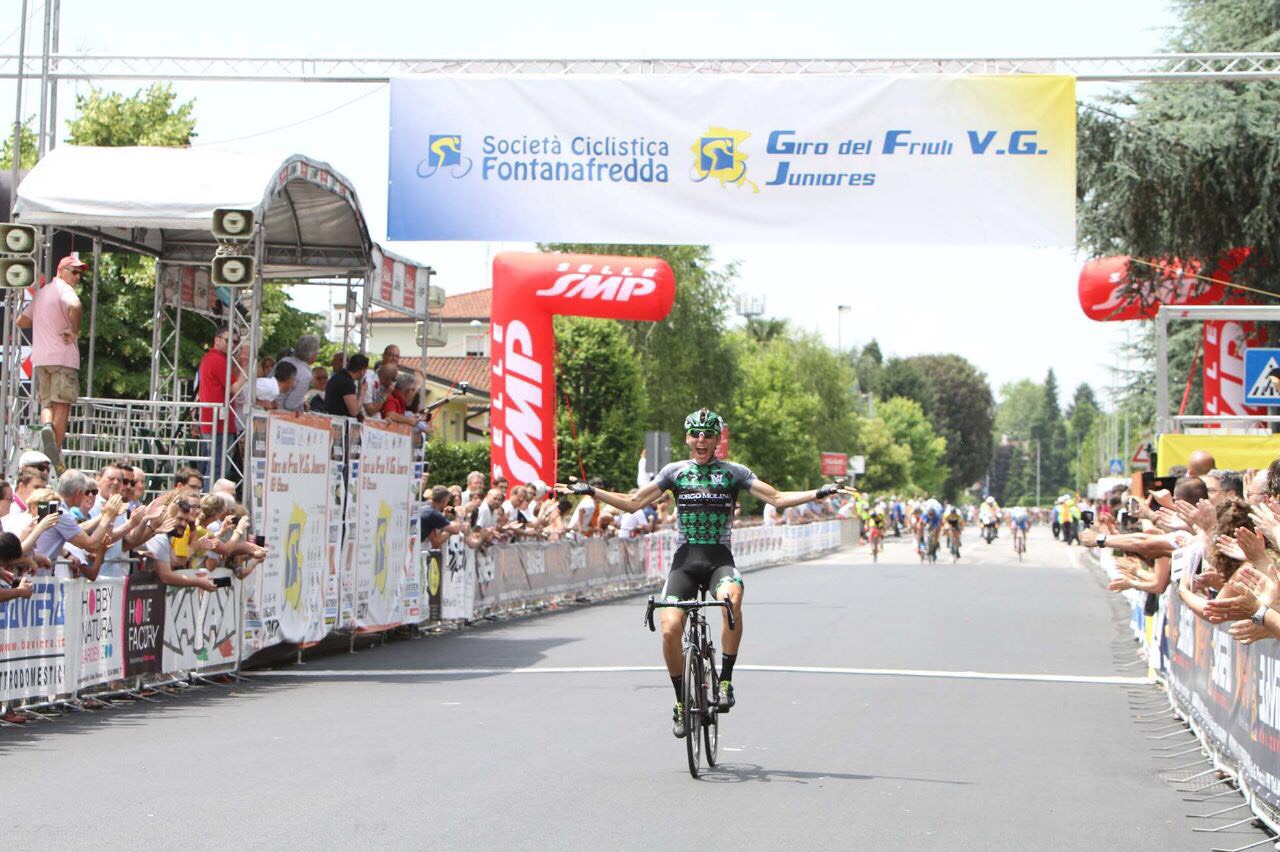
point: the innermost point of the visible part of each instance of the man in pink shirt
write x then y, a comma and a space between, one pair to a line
54, 319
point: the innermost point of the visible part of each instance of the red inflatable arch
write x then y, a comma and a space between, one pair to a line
528, 290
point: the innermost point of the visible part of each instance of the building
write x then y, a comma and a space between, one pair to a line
463, 358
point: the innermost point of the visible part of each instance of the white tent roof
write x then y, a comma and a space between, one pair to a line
161, 201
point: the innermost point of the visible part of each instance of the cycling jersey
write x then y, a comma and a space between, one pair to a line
953, 519
705, 497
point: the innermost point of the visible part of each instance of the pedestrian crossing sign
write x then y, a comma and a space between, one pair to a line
1262, 377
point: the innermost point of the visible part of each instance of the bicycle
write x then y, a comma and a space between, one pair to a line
953, 543
876, 535
1019, 541
701, 698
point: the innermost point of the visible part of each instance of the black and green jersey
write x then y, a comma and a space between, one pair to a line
705, 497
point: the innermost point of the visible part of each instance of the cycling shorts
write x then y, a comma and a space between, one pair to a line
699, 566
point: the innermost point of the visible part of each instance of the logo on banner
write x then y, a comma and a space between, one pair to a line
380, 546
433, 574
293, 558
718, 154
444, 152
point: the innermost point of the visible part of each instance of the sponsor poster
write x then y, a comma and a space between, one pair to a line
296, 527
923, 160
382, 525
201, 628
350, 531
432, 561
336, 495
144, 621
458, 590
34, 638
101, 645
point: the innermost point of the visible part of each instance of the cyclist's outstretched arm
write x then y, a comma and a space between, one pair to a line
787, 499
642, 498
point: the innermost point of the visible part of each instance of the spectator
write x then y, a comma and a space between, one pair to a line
109, 482
72, 487
584, 520
490, 512
1200, 463
36, 459
6, 497
271, 389
12, 561
1224, 484
132, 485
376, 387
225, 487
475, 483
514, 508
189, 480
402, 392
305, 354
161, 551
337, 362
436, 522
342, 396
315, 394
384, 388
54, 319
212, 388
30, 478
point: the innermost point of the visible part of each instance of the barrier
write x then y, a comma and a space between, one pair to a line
1226, 692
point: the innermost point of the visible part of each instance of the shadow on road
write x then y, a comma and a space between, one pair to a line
738, 773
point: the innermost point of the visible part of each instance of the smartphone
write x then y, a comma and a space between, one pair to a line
1133, 505
260, 540
222, 582
1151, 482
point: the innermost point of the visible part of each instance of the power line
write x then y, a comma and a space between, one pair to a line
299, 122
16, 29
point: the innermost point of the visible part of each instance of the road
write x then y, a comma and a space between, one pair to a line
383, 749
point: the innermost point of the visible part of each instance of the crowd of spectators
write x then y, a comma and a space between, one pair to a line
102, 525
1213, 539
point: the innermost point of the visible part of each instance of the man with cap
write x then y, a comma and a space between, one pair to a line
54, 319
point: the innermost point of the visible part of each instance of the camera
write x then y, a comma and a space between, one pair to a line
47, 508
260, 540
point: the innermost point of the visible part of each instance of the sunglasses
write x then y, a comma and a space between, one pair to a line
91, 492
703, 433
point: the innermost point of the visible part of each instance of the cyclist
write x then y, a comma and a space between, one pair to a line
875, 527
1019, 523
989, 516
954, 522
706, 489
930, 526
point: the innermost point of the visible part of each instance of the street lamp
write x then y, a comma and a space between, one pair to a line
841, 310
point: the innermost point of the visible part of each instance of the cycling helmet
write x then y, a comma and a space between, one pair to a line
704, 418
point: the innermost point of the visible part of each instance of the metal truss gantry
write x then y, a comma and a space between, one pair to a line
1170, 67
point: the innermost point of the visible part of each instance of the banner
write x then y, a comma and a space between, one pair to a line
382, 523
200, 628
458, 590
101, 648
296, 527
144, 599
965, 160
33, 641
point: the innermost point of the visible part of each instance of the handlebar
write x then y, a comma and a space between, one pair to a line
686, 606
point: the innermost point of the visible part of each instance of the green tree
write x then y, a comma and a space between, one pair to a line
831, 379
451, 461
771, 429
889, 463
148, 117
910, 428
1051, 434
599, 373
904, 377
29, 145
1187, 169
1082, 415
868, 367
1019, 408
958, 402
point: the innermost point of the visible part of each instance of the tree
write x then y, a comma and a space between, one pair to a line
910, 428
28, 143
904, 377
149, 117
1051, 435
1020, 404
1082, 415
1189, 170
771, 429
868, 367
822, 371
686, 360
958, 402
888, 462
603, 424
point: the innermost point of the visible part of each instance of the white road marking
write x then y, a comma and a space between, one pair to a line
1112, 680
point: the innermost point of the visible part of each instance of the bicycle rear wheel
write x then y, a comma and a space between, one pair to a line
693, 692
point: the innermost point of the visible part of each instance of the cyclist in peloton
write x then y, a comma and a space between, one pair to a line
706, 490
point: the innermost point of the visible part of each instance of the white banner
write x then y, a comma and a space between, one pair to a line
101, 632
975, 160
458, 587
296, 527
34, 638
382, 522
200, 628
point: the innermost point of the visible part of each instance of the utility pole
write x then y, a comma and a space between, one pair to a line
1037, 471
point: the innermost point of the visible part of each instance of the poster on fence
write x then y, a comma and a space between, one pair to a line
101, 632
382, 525
458, 586
433, 569
200, 628
337, 496
295, 523
33, 641
350, 530
144, 598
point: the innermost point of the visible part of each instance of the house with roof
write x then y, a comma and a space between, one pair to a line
464, 357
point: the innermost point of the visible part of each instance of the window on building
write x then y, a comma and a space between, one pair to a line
477, 344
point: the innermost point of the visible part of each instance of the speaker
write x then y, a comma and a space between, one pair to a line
232, 270
233, 225
17, 273
17, 239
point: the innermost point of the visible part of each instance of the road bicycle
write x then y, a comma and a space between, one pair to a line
876, 536
927, 545
701, 699
953, 543
1019, 541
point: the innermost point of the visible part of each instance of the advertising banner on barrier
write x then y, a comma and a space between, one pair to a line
922, 160
296, 527
144, 599
382, 525
200, 628
101, 632
458, 587
34, 639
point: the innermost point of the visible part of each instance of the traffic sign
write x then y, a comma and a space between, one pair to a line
1117, 466
1142, 455
859, 465
1262, 376
835, 464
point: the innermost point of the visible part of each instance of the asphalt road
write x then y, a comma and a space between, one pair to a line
381, 749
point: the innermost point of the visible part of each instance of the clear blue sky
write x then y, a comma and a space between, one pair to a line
1011, 312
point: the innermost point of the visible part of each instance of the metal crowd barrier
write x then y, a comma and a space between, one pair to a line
77, 640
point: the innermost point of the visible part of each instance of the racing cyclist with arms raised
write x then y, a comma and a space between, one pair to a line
706, 491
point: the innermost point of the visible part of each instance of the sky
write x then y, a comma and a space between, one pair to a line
1012, 312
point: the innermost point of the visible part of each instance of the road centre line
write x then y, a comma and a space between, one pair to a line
337, 674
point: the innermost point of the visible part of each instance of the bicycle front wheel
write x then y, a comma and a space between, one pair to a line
693, 692
711, 723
